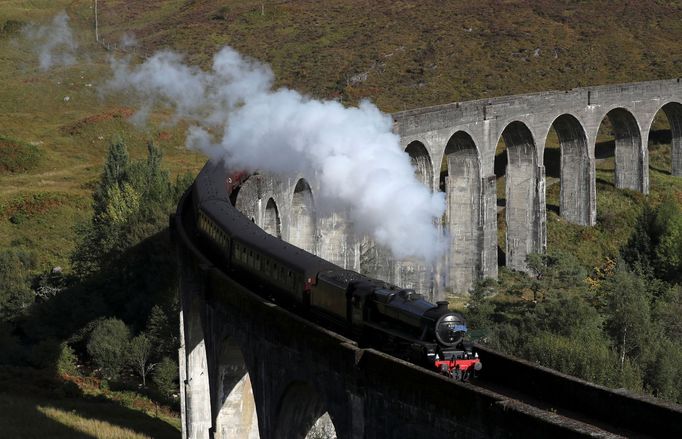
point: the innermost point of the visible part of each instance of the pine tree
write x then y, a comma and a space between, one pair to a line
113, 175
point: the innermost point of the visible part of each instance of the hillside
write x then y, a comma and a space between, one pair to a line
399, 54
57, 125
406, 54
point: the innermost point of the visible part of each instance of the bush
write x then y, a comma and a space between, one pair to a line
45, 353
66, 363
15, 286
13, 354
586, 357
165, 376
108, 345
16, 156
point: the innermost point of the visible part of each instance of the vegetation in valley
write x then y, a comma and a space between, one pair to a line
113, 316
604, 304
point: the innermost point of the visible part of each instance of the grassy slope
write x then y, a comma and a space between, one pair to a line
418, 53
72, 135
414, 54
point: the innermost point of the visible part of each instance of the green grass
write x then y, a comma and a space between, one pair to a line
52, 149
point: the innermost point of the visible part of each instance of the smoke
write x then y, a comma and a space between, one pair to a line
240, 118
54, 43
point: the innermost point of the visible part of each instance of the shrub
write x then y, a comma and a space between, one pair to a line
165, 376
66, 363
45, 353
15, 291
13, 353
108, 345
17, 156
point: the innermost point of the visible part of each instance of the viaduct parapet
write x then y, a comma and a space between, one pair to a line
453, 148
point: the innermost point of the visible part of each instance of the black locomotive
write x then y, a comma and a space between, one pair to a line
376, 314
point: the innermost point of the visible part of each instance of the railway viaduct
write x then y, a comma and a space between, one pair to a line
453, 148
250, 369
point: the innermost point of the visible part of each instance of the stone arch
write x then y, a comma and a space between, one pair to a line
524, 184
299, 409
196, 383
271, 219
673, 112
574, 204
302, 229
461, 182
236, 409
629, 157
421, 160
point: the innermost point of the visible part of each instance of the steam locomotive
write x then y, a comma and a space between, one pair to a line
386, 317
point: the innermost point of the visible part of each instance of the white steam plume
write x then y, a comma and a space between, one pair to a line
241, 119
55, 42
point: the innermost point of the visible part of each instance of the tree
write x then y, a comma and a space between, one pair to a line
139, 356
480, 310
639, 250
165, 376
66, 362
108, 345
100, 236
627, 312
556, 271
669, 250
131, 203
15, 286
655, 245
160, 332
113, 175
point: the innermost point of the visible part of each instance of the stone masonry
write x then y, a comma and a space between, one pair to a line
453, 148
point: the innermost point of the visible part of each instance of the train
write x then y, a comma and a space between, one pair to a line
376, 314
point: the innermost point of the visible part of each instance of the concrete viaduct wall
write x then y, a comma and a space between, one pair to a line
453, 149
